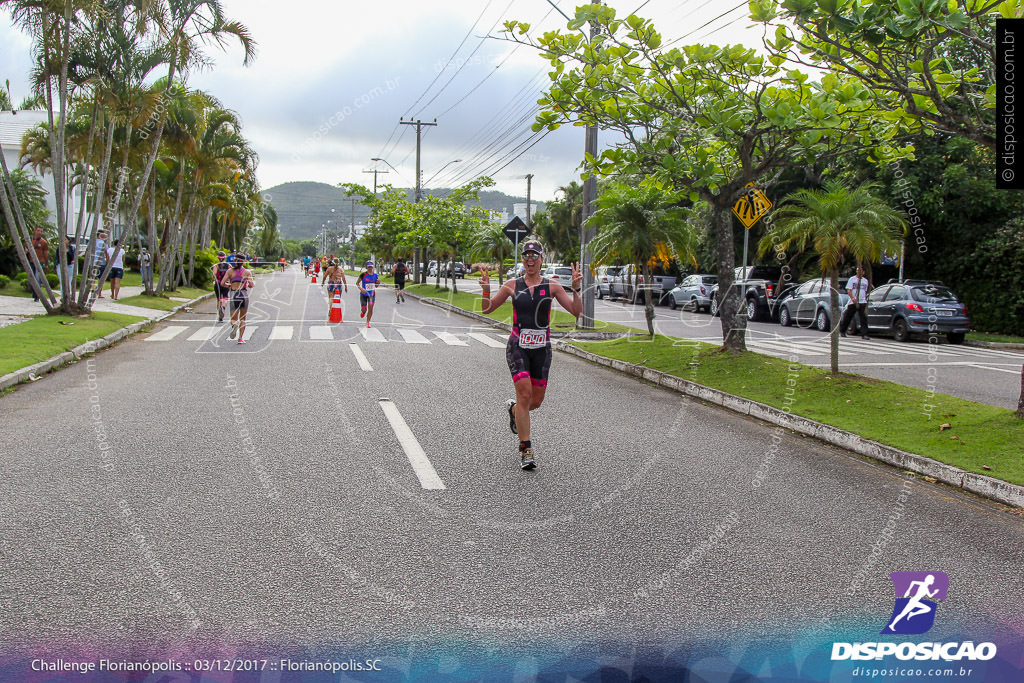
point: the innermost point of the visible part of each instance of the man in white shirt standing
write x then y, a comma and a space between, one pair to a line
857, 289
116, 254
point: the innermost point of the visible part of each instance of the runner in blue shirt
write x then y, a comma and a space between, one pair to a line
367, 284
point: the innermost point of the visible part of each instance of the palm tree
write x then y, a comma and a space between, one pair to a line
643, 226
836, 222
490, 242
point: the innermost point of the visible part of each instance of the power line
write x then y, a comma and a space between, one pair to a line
463, 42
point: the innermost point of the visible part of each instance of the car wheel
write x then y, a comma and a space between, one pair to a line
900, 330
784, 318
752, 309
955, 337
672, 302
713, 309
821, 321
600, 293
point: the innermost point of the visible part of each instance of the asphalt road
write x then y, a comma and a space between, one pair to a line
170, 497
990, 376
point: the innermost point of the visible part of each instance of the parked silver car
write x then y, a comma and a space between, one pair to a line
911, 307
693, 292
811, 304
603, 278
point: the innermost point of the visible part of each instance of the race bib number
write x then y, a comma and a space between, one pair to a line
368, 286
533, 339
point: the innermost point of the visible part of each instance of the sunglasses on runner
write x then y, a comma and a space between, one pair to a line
531, 256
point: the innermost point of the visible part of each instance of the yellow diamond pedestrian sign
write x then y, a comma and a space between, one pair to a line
751, 206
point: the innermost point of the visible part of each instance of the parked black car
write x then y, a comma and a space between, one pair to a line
913, 307
760, 291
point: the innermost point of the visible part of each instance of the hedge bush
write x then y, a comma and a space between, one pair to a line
4, 281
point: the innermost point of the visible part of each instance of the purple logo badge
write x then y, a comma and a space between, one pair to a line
917, 595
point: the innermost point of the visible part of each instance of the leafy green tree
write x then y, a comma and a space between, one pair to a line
490, 243
31, 197
706, 121
559, 224
643, 226
930, 62
836, 222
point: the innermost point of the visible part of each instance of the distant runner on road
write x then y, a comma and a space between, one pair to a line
240, 281
334, 278
400, 271
367, 284
219, 290
528, 351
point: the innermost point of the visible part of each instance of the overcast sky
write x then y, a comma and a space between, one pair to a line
331, 80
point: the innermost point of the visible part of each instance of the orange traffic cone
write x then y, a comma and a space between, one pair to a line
314, 279
336, 309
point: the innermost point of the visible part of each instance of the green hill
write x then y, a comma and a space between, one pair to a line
303, 208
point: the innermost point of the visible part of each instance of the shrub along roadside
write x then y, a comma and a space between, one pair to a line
46, 336
978, 435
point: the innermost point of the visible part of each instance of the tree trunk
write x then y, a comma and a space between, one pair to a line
648, 300
734, 325
835, 320
1020, 399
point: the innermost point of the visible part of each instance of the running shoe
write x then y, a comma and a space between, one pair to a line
526, 455
241, 341
367, 324
362, 313
512, 416
234, 331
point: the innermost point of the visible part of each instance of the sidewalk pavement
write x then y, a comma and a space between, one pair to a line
23, 307
15, 309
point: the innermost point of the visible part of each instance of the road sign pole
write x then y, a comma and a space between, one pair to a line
746, 240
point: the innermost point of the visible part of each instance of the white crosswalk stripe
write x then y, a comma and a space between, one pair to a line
487, 339
372, 334
412, 336
166, 334
321, 333
281, 332
205, 333
450, 339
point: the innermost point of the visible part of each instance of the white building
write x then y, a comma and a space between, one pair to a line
13, 127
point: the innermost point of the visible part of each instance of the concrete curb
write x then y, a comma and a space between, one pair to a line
993, 345
989, 487
581, 336
89, 347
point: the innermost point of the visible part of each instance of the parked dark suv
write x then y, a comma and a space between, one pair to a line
911, 307
759, 290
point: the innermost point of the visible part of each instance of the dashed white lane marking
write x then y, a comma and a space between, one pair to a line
361, 358
281, 332
412, 336
487, 339
371, 334
206, 333
320, 332
1013, 371
450, 339
425, 472
166, 334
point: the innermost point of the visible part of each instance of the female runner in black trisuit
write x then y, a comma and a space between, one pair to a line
529, 347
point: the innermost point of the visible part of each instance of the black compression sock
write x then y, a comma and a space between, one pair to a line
523, 445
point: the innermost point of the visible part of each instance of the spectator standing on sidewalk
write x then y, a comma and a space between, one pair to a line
41, 247
100, 261
146, 268
115, 254
69, 263
857, 288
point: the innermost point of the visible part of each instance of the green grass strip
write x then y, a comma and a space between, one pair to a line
163, 302
45, 336
560, 319
904, 417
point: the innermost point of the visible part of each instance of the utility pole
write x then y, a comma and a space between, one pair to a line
352, 232
419, 126
586, 321
529, 223
375, 172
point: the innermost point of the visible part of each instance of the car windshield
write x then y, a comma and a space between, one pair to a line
711, 279
934, 294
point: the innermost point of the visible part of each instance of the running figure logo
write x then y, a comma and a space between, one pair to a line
916, 596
